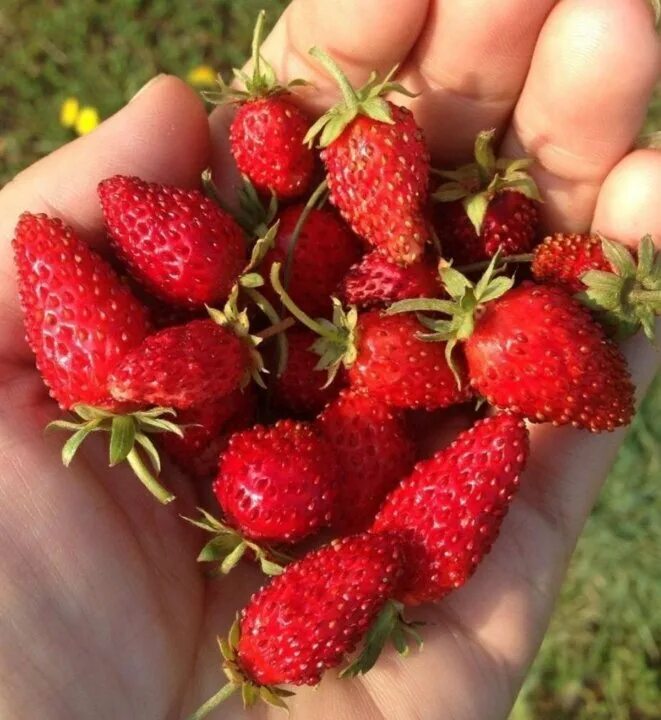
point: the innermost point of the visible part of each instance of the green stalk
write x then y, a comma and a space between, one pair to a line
213, 702
257, 44
334, 70
277, 327
147, 479
507, 260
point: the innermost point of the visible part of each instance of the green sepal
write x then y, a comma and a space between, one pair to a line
228, 546
389, 625
128, 437
629, 297
367, 101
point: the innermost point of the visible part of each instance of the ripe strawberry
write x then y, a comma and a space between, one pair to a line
624, 294
324, 252
183, 366
562, 259
80, 319
377, 166
300, 388
305, 621
268, 130
376, 280
533, 350
207, 429
178, 243
383, 355
373, 450
449, 510
487, 206
277, 484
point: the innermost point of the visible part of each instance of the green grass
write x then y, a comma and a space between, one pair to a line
601, 658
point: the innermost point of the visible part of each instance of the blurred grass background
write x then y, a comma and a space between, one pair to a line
602, 658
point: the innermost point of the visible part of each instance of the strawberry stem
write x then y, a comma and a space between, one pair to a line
301, 316
507, 260
147, 479
257, 43
276, 329
213, 702
351, 99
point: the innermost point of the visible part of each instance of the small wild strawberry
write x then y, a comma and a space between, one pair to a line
178, 243
308, 619
267, 133
487, 206
448, 512
374, 451
377, 166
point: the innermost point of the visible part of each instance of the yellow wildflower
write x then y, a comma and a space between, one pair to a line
201, 76
87, 120
69, 112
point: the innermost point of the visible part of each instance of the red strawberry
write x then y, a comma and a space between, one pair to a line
300, 389
207, 430
178, 243
623, 293
373, 451
487, 206
183, 366
376, 280
377, 165
277, 484
449, 510
308, 619
80, 319
268, 130
533, 350
383, 355
562, 259
323, 254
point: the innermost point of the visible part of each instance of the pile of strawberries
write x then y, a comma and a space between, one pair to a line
279, 353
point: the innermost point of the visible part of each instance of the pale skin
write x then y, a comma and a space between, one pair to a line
104, 611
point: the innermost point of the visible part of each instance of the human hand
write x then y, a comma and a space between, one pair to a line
104, 611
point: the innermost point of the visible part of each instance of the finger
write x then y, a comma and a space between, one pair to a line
593, 71
363, 35
469, 65
161, 135
628, 202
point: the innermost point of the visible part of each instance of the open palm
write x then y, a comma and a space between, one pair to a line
103, 611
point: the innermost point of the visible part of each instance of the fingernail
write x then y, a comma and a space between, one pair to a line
147, 85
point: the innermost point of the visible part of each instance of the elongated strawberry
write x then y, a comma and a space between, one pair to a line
533, 350
267, 133
277, 484
80, 319
377, 165
383, 355
207, 429
450, 509
324, 251
373, 450
376, 280
178, 243
487, 206
301, 389
308, 619
624, 294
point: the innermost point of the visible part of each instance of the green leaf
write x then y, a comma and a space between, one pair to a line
150, 449
249, 694
122, 438
645, 258
421, 305
233, 558
476, 208
496, 288
378, 109
87, 412
455, 283
619, 257
484, 155
251, 280
72, 444
450, 192
269, 567
271, 698
158, 425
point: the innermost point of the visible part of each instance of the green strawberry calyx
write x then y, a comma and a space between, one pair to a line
261, 84
466, 298
629, 297
389, 625
129, 440
368, 101
228, 546
336, 345
476, 184
251, 693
